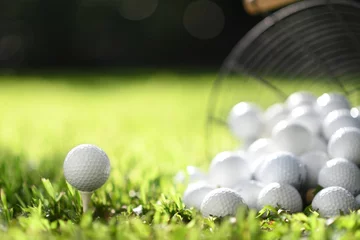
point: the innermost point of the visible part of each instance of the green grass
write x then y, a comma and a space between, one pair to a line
151, 126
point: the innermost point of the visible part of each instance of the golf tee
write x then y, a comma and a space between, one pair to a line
86, 198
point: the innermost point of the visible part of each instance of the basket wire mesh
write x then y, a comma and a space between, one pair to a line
313, 44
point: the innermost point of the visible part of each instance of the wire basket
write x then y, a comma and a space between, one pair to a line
311, 45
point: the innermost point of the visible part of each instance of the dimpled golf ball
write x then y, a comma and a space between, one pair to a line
282, 167
249, 190
86, 167
246, 121
228, 168
195, 193
338, 119
345, 143
313, 162
333, 201
221, 202
329, 102
340, 172
292, 137
300, 98
280, 195
306, 116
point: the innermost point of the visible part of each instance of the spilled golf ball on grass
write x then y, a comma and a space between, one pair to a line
86, 168
291, 149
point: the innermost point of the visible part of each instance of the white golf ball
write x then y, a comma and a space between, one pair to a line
180, 177
246, 121
86, 167
191, 175
342, 173
355, 112
300, 98
257, 167
329, 102
292, 137
195, 194
258, 149
345, 143
318, 144
358, 199
280, 195
221, 202
282, 167
313, 162
338, 119
195, 174
274, 114
249, 190
306, 116
242, 153
333, 201
228, 168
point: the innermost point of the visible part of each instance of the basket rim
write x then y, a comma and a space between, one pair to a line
277, 16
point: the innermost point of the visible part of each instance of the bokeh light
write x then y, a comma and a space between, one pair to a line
204, 19
11, 51
9, 46
136, 10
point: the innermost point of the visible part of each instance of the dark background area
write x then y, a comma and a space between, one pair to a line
88, 33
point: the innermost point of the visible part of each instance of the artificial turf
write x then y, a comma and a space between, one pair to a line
151, 126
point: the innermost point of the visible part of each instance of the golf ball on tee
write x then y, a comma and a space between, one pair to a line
86, 167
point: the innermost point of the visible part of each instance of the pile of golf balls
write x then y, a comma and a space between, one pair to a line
288, 150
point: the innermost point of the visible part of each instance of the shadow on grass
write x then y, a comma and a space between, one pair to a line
97, 76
